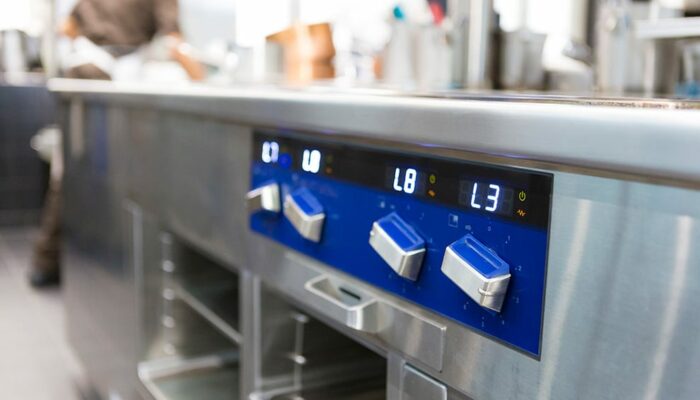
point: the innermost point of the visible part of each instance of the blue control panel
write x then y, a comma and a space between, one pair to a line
496, 221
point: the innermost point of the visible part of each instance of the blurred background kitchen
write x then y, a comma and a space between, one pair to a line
618, 52
577, 47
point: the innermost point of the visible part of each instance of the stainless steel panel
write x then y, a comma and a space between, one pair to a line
396, 389
619, 315
417, 386
348, 306
487, 292
622, 285
608, 135
205, 180
212, 378
406, 264
300, 356
292, 272
190, 321
251, 327
426, 341
102, 252
308, 226
264, 198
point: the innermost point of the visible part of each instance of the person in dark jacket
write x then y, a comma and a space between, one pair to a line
120, 27
111, 29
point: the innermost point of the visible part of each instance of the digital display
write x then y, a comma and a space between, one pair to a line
490, 197
509, 193
405, 180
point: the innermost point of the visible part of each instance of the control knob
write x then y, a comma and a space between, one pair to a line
305, 213
398, 244
264, 198
478, 271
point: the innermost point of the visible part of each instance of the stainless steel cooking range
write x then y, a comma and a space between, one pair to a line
266, 243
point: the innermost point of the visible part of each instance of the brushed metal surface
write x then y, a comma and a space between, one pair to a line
101, 251
620, 301
417, 335
308, 226
264, 198
623, 283
417, 386
487, 292
614, 135
203, 178
406, 264
620, 261
354, 309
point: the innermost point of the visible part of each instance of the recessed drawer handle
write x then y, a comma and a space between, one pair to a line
343, 303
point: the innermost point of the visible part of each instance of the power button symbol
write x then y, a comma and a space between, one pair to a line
522, 195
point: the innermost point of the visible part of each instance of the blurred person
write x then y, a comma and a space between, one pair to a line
102, 31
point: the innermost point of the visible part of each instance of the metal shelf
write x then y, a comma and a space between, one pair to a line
211, 377
361, 389
204, 302
209, 289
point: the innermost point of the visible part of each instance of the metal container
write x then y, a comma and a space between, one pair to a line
521, 60
18, 51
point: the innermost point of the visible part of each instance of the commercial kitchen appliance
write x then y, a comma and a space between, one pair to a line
272, 243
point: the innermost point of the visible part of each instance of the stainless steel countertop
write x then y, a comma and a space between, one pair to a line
651, 139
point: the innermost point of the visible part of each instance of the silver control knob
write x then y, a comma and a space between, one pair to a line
478, 271
264, 198
398, 244
305, 213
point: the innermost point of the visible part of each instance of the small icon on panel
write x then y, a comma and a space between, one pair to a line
432, 178
522, 195
285, 160
431, 193
453, 220
522, 213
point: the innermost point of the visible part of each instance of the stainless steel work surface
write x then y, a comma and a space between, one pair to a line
648, 138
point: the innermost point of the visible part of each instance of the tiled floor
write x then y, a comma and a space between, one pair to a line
36, 362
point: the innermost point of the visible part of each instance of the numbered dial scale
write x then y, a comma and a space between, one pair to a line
466, 240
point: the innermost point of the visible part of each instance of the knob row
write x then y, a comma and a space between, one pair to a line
476, 269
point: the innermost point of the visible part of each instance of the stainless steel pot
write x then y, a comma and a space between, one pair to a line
18, 51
